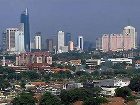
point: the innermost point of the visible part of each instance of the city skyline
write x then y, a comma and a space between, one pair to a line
79, 17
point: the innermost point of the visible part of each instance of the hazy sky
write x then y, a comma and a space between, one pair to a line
89, 18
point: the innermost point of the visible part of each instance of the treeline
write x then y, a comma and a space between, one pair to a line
87, 96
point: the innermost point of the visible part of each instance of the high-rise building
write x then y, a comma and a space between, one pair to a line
4, 46
10, 39
25, 19
60, 41
67, 38
19, 39
116, 42
99, 43
54, 38
131, 32
120, 42
49, 43
37, 40
80, 42
71, 46
105, 42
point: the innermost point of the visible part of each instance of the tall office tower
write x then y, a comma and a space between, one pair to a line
19, 39
49, 43
60, 41
130, 32
67, 38
3, 41
25, 19
80, 42
105, 42
99, 43
10, 39
54, 38
38, 40
71, 46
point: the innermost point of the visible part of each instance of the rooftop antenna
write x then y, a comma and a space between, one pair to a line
128, 21
26, 11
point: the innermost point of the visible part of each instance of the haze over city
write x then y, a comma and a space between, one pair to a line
69, 52
89, 18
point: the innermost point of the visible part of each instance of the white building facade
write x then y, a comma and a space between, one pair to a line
120, 60
60, 41
10, 39
37, 40
80, 42
19, 39
131, 31
110, 85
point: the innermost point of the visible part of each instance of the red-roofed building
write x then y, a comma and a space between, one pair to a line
39, 60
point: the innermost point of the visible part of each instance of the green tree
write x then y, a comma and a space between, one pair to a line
22, 83
135, 84
4, 84
81, 94
95, 101
31, 75
73, 95
123, 92
24, 99
49, 99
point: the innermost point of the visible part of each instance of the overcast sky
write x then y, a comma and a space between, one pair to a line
89, 18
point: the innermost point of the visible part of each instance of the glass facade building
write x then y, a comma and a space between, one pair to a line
25, 19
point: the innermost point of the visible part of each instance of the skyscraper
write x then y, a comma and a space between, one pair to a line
80, 42
105, 42
10, 39
25, 19
120, 42
60, 41
19, 39
3, 41
67, 38
49, 43
38, 40
131, 32
71, 46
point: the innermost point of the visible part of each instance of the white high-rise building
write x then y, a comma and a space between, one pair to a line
10, 39
131, 31
38, 41
80, 42
60, 41
19, 39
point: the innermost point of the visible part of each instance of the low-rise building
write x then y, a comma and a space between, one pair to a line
137, 64
120, 60
108, 91
35, 57
75, 62
92, 63
114, 82
109, 85
72, 85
